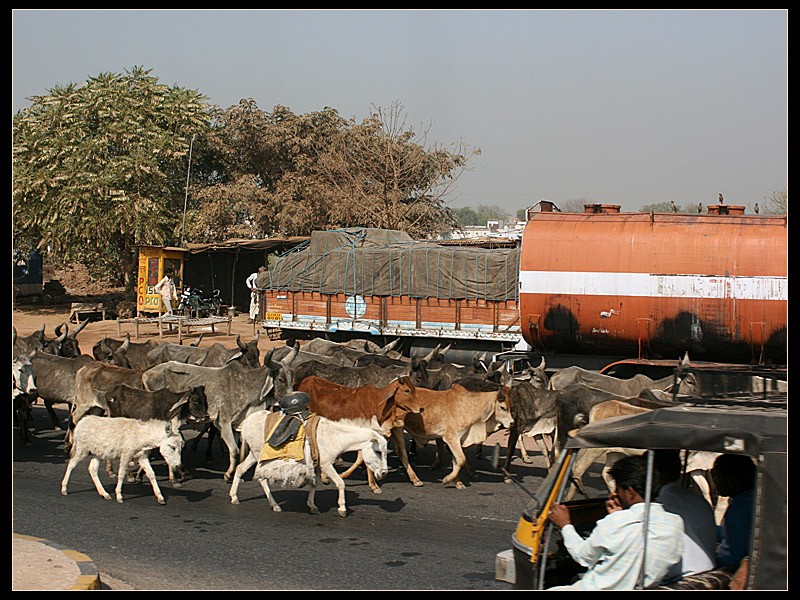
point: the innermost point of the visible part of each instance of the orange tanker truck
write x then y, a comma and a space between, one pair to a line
656, 285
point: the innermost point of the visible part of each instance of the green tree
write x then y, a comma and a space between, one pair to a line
100, 168
669, 206
466, 216
486, 213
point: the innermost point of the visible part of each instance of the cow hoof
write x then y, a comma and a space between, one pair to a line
276, 509
119, 500
234, 501
161, 501
527, 459
342, 512
107, 497
177, 484
507, 480
377, 490
417, 483
314, 510
460, 486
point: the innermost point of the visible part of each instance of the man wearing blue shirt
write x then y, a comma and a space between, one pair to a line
613, 551
735, 476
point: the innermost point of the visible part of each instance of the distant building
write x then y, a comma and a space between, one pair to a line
494, 228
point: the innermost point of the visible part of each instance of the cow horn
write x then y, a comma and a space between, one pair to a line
75, 333
542, 365
61, 337
268, 356
432, 354
125, 345
289, 358
390, 346
239, 343
196, 343
57, 330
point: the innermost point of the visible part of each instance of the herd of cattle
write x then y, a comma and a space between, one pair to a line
121, 385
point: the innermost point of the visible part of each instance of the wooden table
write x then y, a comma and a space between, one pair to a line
184, 324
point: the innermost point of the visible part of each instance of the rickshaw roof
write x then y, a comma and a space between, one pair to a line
739, 429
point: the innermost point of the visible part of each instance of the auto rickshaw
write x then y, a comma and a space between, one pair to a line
751, 424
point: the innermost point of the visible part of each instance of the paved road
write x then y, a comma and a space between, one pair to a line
428, 538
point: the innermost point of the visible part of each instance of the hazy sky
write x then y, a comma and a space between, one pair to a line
626, 107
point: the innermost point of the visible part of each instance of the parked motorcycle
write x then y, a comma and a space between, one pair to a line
195, 303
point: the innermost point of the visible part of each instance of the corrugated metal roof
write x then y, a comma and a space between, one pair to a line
235, 244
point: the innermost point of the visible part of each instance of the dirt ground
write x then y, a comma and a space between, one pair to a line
72, 283
29, 318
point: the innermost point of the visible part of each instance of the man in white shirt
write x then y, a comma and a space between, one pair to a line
700, 528
250, 282
613, 551
169, 293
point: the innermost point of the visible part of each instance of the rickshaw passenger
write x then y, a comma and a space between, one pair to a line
700, 528
735, 476
613, 551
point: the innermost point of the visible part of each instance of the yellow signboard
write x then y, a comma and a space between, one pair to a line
272, 316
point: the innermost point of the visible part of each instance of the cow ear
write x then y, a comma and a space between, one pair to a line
236, 356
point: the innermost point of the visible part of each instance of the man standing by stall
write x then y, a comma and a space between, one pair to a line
250, 282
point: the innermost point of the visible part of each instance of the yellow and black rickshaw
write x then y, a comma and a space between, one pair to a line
751, 424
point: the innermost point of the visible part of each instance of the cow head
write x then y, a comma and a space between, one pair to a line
53, 346
401, 399
279, 373
69, 347
502, 407
250, 353
193, 406
419, 373
22, 377
119, 357
375, 451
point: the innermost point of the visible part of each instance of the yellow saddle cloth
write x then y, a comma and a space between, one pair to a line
292, 449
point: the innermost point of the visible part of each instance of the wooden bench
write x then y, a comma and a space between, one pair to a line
77, 309
184, 324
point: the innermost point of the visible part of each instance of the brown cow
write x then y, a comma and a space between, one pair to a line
390, 404
457, 416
